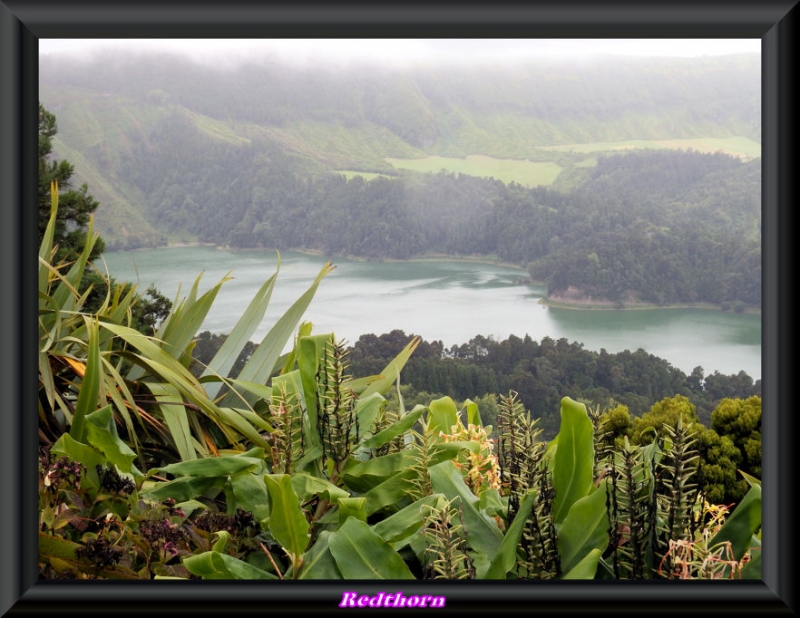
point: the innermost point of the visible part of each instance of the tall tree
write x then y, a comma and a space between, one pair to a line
75, 206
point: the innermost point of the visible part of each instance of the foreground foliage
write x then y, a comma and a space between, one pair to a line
295, 469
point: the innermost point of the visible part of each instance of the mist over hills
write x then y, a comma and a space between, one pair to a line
268, 153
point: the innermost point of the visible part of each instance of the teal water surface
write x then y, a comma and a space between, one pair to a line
450, 301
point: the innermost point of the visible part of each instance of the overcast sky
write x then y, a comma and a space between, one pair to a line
402, 51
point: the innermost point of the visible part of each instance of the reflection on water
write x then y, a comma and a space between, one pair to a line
440, 300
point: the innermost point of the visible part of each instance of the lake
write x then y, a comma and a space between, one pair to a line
450, 301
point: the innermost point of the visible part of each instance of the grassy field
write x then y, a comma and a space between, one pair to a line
527, 173
737, 146
366, 175
543, 173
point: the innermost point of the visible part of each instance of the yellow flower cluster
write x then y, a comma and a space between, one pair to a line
481, 469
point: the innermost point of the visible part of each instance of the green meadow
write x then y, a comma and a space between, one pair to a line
527, 173
737, 146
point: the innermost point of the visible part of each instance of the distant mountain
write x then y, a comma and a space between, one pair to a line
157, 136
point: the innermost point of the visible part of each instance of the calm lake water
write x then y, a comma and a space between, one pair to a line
451, 301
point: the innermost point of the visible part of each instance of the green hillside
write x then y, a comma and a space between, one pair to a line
536, 125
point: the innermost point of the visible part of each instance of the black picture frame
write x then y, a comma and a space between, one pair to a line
24, 22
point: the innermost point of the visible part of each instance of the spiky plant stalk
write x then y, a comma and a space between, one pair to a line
676, 492
631, 513
337, 420
540, 557
386, 418
520, 457
287, 436
516, 436
446, 555
421, 450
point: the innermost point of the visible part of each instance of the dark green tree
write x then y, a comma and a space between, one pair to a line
75, 206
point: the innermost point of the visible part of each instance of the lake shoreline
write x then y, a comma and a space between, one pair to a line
555, 301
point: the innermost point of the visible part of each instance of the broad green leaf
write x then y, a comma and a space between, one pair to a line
84, 454
442, 415
473, 414
399, 526
249, 491
214, 467
584, 529
400, 427
741, 524
752, 570
505, 557
215, 565
360, 553
573, 464
367, 409
307, 486
287, 522
482, 531
318, 562
587, 567
310, 356
101, 432
390, 492
181, 489
289, 360
352, 507
365, 475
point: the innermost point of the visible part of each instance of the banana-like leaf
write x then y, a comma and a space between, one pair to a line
482, 532
101, 432
360, 553
505, 557
400, 427
181, 489
318, 562
216, 565
392, 492
249, 492
307, 486
400, 526
587, 567
310, 357
287, 522
216, 467
442, 415
84, 454
573, 462
473, 414
584, 530
741, 524
352, 507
